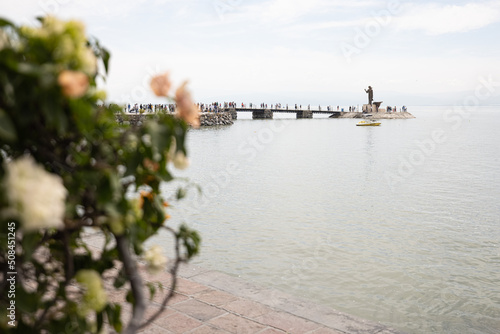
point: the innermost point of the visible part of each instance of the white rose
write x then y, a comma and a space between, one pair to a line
155, 259
180, 160
36, 196
88, 61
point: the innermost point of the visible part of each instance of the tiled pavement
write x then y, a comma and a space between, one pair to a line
207, 301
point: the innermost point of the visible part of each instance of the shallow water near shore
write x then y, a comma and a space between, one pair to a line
397, 224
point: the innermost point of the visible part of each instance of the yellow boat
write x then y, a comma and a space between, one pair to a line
368, 123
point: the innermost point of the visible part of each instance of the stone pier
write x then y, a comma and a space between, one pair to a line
262, 114
304, 114
233, 113
215, 118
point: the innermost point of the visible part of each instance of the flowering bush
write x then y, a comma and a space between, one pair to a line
67, 166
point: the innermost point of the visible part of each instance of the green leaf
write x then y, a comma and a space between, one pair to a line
7, 129
113, 311
191, 240
130, 297
29, 242
120, 280
181, 193
100, 321
105, 59
4, 23
26, 302
152, 290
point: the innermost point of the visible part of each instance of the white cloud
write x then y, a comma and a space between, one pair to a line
290, 11
437, 19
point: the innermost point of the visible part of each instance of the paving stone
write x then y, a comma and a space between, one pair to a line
287, 322
117, 296
152, 309
270, 330
198, 310
178, 323
389, 331
176, 298
235, 324
326, 330
247, 308
226, 283
159, 277
215, 297
208, 329
189, 288
154, 329
335, 319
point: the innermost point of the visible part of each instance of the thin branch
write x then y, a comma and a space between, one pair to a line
173, 272
69, 266
135, 284
40, 320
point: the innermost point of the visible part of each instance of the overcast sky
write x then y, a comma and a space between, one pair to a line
290, 51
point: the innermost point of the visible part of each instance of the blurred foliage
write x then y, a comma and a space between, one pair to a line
52, 111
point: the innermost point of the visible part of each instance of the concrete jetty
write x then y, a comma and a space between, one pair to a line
381, 114
227, 116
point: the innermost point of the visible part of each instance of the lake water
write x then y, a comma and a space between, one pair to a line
397, 224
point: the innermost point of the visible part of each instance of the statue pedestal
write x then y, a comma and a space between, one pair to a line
367, 108
371, 108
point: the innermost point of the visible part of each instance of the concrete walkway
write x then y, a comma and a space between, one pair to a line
208, 301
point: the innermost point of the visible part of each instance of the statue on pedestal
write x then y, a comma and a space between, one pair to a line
370, 94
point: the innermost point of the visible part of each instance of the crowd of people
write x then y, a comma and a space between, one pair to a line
395, 109
217, 107
148, 108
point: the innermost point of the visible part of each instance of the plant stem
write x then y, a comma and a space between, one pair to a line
135, 283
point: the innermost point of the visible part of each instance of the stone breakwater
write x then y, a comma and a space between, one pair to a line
215, 118
206, 119
376, 115
134, 120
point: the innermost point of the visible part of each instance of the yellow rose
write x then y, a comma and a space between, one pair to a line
73, 83
94, 297
186, 109
160, 84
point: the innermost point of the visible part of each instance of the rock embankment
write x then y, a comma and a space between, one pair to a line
377, 115
215, 118
206, 119
134, 120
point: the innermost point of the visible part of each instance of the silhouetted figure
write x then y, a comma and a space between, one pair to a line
370, 94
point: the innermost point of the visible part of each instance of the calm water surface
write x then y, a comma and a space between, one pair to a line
398, 223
